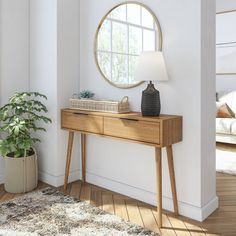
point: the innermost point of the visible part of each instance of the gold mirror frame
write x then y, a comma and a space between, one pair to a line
96, 40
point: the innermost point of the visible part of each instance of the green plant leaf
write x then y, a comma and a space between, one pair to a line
20, 119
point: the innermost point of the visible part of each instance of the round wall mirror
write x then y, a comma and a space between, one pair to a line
123, 34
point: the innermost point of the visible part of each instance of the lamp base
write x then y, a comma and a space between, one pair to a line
150, 104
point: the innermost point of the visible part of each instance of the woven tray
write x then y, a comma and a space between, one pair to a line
102, 106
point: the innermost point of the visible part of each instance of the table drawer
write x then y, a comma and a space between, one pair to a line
82, 122
132, 129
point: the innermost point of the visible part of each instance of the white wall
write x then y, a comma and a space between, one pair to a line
129, 168
225, 5
68, 66
43, 75
208, 68
54, 71
40, 52
121, 166
225, 82
14, 51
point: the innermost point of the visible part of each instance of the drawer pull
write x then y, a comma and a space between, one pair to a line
129, 119
80, 114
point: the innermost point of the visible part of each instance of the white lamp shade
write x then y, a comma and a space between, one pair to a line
151, 66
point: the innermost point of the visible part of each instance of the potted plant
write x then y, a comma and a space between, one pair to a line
86, 94
19, 120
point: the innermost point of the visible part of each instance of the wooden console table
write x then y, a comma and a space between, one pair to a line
159, 132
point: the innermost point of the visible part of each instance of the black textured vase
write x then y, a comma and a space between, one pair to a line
150, 104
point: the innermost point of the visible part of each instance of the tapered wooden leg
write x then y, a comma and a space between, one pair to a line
83, 156
159, 184
172, 178
68, 157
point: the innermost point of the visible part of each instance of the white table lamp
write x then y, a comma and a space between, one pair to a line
151, 66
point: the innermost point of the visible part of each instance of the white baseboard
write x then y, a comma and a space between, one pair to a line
57, 181
210, 207
185, 209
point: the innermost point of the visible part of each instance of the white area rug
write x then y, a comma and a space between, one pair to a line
51, 213
226, 160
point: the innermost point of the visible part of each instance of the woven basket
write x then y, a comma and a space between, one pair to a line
102, 106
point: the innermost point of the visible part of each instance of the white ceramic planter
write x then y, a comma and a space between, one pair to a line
21, 174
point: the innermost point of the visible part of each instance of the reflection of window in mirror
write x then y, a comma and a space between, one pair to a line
124, 33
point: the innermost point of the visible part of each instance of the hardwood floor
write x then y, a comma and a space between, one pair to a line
221, 222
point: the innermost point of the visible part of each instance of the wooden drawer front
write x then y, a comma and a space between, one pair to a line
131, 129
82, 122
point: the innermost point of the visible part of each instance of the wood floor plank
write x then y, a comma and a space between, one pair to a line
226, 198
85, 193
148, 218
225, 180
222, 228
65, 191
75, 189
194, 229
167, 228
221, 177
228, 234
2, 191
218, 216
179, 226
230, 182
226, 187
228, 203
227, 208
120, 207
96, 197
226, 193
223, 220
42, 185
107, 202
7, 196
133, 212
209, 234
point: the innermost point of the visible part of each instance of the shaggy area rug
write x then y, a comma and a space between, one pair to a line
226, 160
49, 212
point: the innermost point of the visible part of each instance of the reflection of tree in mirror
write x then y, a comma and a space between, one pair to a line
122, 38
104, 36
119, 69
132, 67
135, 40
119, 13
105, 63
119, 38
